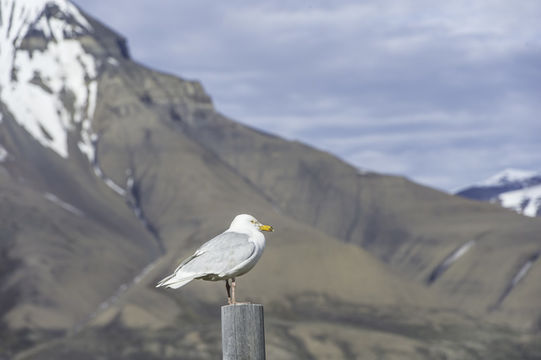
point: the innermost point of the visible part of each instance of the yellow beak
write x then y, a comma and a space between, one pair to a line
266, 228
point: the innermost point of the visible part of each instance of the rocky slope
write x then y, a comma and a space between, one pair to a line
110, 172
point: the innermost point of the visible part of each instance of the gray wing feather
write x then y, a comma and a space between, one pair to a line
219, 255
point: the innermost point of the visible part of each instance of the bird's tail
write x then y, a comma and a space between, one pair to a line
173, 282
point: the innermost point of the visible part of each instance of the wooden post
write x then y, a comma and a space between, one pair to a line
243, 332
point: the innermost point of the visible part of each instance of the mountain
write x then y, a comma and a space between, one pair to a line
513, 189
111, 172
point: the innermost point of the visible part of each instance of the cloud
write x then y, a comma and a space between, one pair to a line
438, 91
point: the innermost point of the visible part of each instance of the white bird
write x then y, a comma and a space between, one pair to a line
226, 256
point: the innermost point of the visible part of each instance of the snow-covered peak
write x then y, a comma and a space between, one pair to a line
519, 190
47, 79
508, 176
54, 18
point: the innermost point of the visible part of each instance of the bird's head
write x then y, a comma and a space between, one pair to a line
245, 222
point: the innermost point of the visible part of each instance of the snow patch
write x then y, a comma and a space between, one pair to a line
93, 140
143, 273
64, 205
3, 154
97, 171
525, 201
449, 260
130, 181
114, 186
518, 277
114, 298
459, 253
112, 61
522, 272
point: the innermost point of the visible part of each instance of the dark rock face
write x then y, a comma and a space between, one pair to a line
484, 193
84, 239
491, 192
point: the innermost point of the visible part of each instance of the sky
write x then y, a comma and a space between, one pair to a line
446, 93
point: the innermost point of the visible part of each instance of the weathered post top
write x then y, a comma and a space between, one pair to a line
243, 332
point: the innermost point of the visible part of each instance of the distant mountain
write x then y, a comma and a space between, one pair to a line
110, 172
513, 189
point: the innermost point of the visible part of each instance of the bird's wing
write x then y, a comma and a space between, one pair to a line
218, 255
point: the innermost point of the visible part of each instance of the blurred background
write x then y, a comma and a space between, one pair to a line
446, 94
392, 145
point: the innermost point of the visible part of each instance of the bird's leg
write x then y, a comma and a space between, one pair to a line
233, 298
228, 288
233, 285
